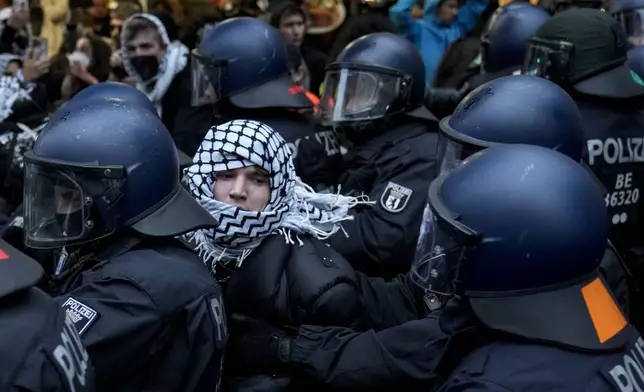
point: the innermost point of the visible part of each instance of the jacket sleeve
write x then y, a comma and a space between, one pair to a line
55, 10
115, 318
345, 360
468, 14
386, 304
400, 16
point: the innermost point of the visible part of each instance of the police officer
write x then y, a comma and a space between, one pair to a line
501, 112
503, 45
98, 93
584, 52
373, 96
407, 346
241, 67
520, 230
102, 187
41, 350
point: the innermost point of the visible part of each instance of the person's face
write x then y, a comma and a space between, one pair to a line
116, 22
99, 8
67, 200
146, 43
247, 188
292, 28
448, 11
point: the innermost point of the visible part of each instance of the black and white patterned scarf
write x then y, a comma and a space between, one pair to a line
293, 206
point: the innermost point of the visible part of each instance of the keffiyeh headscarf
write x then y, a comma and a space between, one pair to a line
293, 206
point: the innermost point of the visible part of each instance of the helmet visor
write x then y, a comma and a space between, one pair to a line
63, 206
633, 23
437, 256
451, 153
547, 59
206, 77
357, 95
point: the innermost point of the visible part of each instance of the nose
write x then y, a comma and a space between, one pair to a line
238, 190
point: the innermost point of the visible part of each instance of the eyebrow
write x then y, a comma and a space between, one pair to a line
260, 171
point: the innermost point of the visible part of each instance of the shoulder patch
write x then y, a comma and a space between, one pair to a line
395, 197
80, 314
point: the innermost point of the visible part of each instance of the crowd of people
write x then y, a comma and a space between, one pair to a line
445, 196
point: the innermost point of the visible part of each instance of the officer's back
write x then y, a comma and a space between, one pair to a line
587, 52
40, 349
515, 365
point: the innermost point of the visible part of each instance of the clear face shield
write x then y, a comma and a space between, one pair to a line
547, 59
206, 78
633, 23
361, 93
451, 153
61, 205
442, 245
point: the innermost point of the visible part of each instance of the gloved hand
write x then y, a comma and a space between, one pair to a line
256, 347
442, 101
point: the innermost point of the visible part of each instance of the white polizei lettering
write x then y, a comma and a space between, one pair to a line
330, 142
64, 359
616, 150
629, 375
78, 350
72, 356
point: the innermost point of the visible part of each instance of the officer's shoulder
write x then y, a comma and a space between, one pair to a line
168, 274
512, 364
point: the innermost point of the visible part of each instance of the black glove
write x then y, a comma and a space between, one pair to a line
256, 347
442, 101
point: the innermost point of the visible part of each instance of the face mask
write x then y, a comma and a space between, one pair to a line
79, 57
146, 66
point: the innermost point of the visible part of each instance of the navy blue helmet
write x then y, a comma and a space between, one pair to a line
503, 46
511, 110
244, 60
522, 229
374, 77
117, 93
636, 63
101, 168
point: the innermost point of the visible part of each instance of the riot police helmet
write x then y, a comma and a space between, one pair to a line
244, 61
516, 109
585, 52
376, 76
108, 92
519, 231
119, 93
503, 45
100, 169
